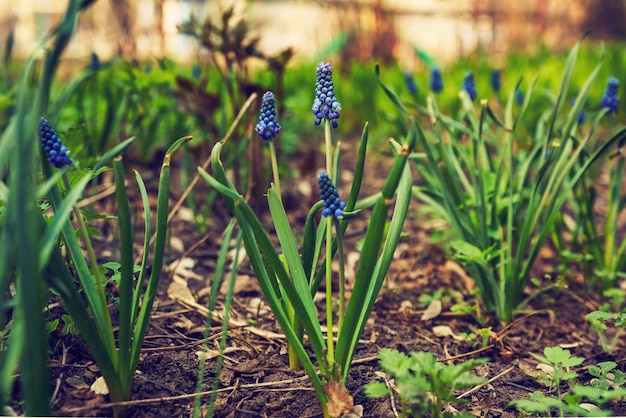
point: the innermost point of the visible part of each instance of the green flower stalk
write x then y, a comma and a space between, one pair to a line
326, 108
333, 208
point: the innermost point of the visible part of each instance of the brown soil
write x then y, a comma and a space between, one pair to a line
256, 379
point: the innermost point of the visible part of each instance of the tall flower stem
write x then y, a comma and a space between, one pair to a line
275, 168
326, 108
329, 149
329, 294
342, 276
333, 208
329, 242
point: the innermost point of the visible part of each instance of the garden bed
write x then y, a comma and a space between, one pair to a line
256, 379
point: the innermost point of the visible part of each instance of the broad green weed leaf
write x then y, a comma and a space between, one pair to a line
376, 390
465, 250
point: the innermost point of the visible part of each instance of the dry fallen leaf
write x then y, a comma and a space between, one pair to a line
185, 214
100, 387
535, 373
433, 310
76, 382
460, 271
405, 306
184, 268
590, 407
177, 245
357, 413
208, 355
339, 400
547, 369
184, 323
179, 291
446, 331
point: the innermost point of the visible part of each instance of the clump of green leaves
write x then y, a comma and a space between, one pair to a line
607, 376
599, 323
557, 362
425, 385
478, 339
501, 193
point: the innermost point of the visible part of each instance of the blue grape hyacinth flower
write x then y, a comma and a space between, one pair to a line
58, 154
333, 206
94, 62
436, 80
519, 96
469, 85
496, 80
325, 104
268, 126
411, 85
582, 116
196, 71
609, 99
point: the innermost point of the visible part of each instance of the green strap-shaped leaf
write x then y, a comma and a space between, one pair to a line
126, 235
157, 255
351, 332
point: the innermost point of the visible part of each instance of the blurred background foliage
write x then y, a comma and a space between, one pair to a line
220, 57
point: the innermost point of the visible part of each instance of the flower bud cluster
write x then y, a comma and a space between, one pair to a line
609, 99
325, 104
268, 126
469, 85
57, 153
333, 206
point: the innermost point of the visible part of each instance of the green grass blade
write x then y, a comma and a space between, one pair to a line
228, 298
272, 296
349, 336
157, 255
146, 246
310, 250
373, 242
59, 278
126, 236
290, 251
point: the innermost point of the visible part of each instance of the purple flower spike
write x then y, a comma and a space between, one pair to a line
436, 80
609, 99
333, 206
469, 85
268, 127
58, 154
325, 105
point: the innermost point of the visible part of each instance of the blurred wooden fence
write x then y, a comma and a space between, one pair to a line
360, 30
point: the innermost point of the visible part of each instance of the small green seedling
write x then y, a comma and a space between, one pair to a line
599, 320
472, 337
560, 360
599, 393
425, 385
607, 376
